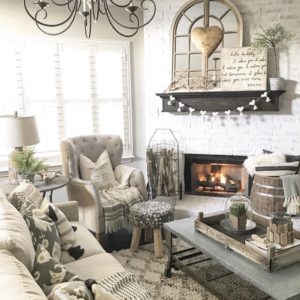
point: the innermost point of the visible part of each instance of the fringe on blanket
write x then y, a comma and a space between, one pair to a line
124, 285
292, 205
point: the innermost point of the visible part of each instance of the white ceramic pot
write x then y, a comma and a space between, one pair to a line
276, 84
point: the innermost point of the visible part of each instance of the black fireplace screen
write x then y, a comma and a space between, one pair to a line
217, 175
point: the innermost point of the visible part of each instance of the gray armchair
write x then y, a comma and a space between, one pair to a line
85, 192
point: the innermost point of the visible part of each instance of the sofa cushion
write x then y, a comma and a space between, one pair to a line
14, 234
101, 172
64, 227
96, 266
48, 271
16, 283
25, 191
84, 239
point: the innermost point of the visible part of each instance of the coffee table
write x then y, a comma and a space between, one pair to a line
280, 284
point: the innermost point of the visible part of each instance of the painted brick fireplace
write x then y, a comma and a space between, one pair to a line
215, 175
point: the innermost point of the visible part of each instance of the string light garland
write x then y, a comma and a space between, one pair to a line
182, 107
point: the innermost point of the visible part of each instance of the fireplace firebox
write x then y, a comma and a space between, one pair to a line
215, 175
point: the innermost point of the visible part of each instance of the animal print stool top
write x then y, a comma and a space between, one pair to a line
151, 214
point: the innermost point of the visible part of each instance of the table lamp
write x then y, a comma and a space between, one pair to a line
19, 131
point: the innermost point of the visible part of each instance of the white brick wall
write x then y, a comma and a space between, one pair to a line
279, 131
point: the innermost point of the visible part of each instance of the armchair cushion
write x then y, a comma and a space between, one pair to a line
101, 172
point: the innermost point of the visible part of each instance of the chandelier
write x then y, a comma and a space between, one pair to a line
55, 17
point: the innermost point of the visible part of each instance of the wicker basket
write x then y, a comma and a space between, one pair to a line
267, 195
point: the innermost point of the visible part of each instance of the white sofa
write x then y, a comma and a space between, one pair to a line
17, 254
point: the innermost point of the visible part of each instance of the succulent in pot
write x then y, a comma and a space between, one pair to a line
27, 165
271, 37
238, 216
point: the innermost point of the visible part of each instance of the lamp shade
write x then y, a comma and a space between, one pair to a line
20, 131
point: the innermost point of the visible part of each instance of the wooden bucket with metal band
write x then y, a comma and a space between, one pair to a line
267, 195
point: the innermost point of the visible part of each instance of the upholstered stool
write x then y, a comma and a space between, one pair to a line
150, 215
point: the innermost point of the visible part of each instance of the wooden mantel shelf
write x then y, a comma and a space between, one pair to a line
221, 100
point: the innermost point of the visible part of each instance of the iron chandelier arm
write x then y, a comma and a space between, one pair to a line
119, 5
111, 20
132, 14
91, 10
71, 17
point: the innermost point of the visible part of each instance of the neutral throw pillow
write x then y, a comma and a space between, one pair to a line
287, 168
72, 290
100, 172
14, 234
64, 227
262, 160
25, 191
43, 230
48, 271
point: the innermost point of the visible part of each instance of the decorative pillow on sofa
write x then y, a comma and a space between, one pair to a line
48, 271
15, 236
25, 191
43, 230
287, 168
72, 290
101, 172
64, 227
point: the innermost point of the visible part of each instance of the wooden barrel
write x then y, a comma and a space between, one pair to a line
267, 195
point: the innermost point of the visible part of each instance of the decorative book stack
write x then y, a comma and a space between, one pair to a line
280, 231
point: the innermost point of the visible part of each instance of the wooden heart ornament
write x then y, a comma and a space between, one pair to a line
207, 40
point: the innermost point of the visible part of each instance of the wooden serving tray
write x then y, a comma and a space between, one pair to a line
274, 260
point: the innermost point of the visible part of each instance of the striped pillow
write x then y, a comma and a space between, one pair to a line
286, 168
64, 227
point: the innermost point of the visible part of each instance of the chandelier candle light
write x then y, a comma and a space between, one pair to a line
90, 10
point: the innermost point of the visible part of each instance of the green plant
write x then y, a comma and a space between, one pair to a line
238, 209
25, 162
270, 37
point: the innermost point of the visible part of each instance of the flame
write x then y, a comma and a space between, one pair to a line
223, 179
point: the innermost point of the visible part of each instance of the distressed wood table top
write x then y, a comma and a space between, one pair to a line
280, 284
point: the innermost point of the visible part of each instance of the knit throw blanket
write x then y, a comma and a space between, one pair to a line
121, 285
291, 187
116, 203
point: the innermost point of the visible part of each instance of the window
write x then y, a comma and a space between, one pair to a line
188, 62
72, 88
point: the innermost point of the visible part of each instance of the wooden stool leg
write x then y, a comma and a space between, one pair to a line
135, 239
158, 248
148, 235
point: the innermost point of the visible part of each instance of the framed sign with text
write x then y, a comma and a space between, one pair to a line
243, 69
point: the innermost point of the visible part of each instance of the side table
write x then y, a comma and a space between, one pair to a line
43, 187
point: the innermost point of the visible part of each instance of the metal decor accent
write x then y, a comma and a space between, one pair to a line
90, 10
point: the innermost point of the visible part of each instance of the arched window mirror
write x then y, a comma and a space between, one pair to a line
191, 69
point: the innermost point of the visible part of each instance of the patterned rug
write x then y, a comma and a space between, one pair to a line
150, 271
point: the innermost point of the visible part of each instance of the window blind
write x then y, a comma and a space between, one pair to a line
73, 88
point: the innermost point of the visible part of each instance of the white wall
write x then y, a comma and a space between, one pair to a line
274, 131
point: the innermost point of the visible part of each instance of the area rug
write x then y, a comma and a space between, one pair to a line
150, 271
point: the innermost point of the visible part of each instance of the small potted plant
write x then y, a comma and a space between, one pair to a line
271, 37
27, 165
238, 216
